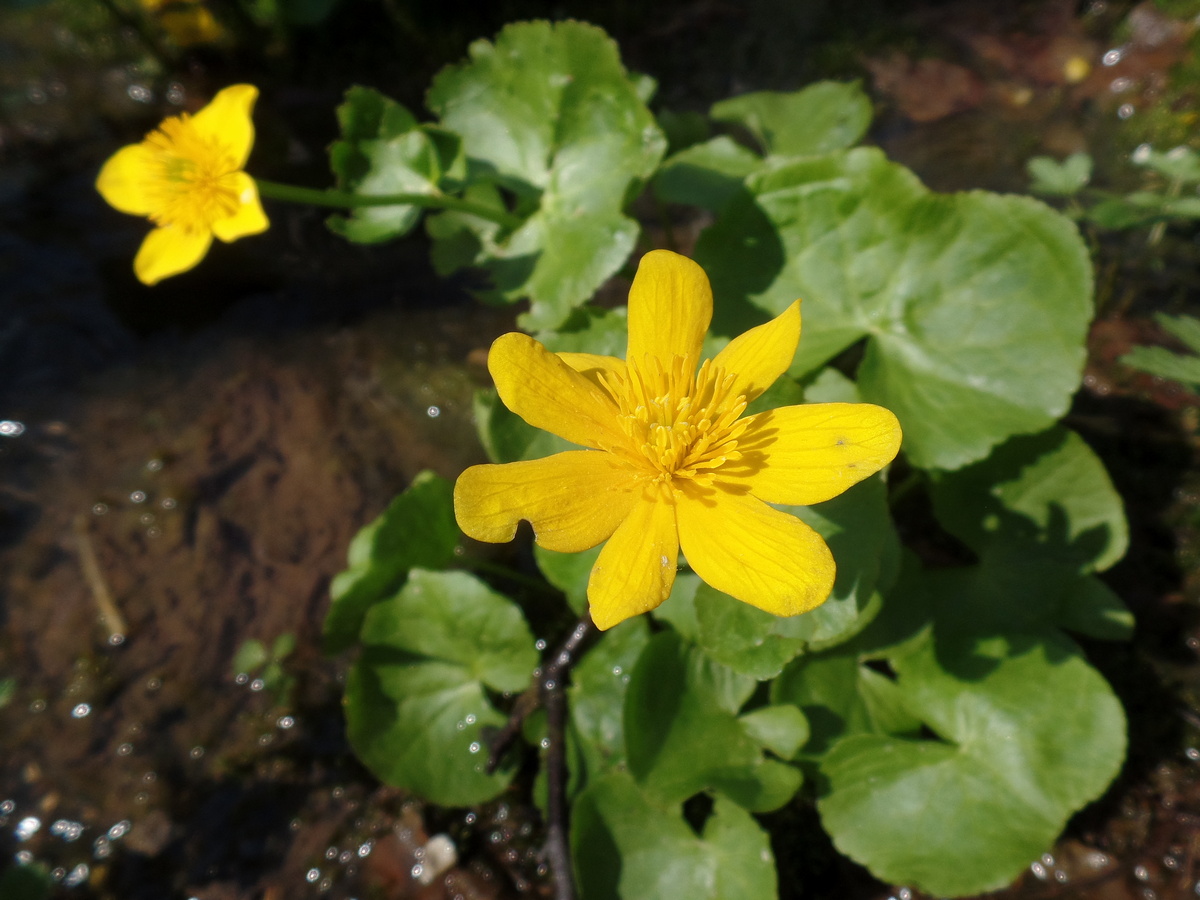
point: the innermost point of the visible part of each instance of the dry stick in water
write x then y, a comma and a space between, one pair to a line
547, 688
110, 616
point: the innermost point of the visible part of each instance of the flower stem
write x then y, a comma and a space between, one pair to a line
349, 200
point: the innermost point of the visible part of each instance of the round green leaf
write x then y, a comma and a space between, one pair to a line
824, 116
1049, 489
416, 709
682, 734
625, 845
549, 112
974, 306
1027, 733
417, 529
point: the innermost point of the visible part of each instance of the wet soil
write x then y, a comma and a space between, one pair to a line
184, 468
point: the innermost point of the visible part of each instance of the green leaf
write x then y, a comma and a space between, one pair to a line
569, 572
1027, 733
1090, 607
1060, 179
679, 610
1165, 363
250, 657
1186, 328
974, 307
416, 710
549, 113
417, 529
1048, 489
590, 330
781, 729
506, 437
682, 734
596, 698
707, 175
625, 845
824, 116
1180, 164
384, 151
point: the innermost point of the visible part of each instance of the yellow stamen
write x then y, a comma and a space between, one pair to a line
195, 181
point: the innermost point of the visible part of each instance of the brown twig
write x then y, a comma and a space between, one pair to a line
110, 616
548, 690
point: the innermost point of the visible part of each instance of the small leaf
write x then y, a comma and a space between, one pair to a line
417, 529
506, 437
1027, 734
1060, 179
974, 307
625, 845
1165, 363
707, 175
416, 710
824, 116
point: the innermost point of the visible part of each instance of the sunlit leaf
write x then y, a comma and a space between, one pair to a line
416, 709
974, 307
417, 529
825, 116
626, 845
1026, 734
548, 113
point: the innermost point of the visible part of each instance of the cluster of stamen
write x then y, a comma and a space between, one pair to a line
680, 424
195, 181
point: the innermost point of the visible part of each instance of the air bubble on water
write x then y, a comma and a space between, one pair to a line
24, 857
101, 849
470, 818
418, 871
286, 722
545, 743
257, 684
331, 852
27, 828
1112, 57
119, 830
1192, 753
470, 719
137, 497
154, 465
37, 706
1038, 870
81, 711
433, 412
1125, 110
124, 749
474, 747
312, 876
241, 678
540, 644
1141, 873
617, 670
1141, 154
116, 639
67, 829
139, 93
1120, 85
10, 428
99, 509
77, 875
58, 873
1047, 860
7, 807
196, 752
345, 856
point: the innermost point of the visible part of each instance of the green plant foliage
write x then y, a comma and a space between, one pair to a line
709, 175
416, 707
627, 845
974, 306
569, 572
1048, 488
417, 529
384, 151
1027, 732
1166, 363
1060, 179
596, 698
21, 881
824, 116
683, 736
549, 114
859, 531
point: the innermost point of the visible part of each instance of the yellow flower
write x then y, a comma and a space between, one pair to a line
186, 23
673, 464
187, 178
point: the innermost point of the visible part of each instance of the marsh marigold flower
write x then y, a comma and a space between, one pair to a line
672, 463
187, 178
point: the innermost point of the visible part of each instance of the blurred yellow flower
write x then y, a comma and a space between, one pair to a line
673, 464
186, 23
187, 178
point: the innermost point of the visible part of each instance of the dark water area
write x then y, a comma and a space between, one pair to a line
182, 467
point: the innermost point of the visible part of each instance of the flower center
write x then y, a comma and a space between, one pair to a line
194, 178
680, 425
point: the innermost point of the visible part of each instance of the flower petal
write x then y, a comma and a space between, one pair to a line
574, 500
799, 455
123, 180
636, 569
249, 218
168, 251
226, 120
550, 395
757, 357
748, 550
592, 366
670, 307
